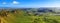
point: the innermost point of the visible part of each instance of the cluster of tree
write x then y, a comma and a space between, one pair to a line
36, 20
4, 13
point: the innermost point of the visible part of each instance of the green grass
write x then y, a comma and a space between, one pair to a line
36, 19
22, 17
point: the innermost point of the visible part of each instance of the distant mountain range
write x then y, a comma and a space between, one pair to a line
41, 9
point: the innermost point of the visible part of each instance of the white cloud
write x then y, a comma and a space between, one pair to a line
4, 3
54, 4
15, 2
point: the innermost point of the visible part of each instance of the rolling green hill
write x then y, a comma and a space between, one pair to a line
20, 16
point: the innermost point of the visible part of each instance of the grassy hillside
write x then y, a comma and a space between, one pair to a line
21, 16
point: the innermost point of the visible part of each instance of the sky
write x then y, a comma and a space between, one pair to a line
29, 3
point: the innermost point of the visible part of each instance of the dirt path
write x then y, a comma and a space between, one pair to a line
2, 20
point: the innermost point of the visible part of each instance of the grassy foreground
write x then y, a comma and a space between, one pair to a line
23, 17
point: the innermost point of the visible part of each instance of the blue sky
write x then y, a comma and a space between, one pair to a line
29, 3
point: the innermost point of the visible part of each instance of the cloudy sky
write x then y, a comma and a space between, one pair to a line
29, 3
